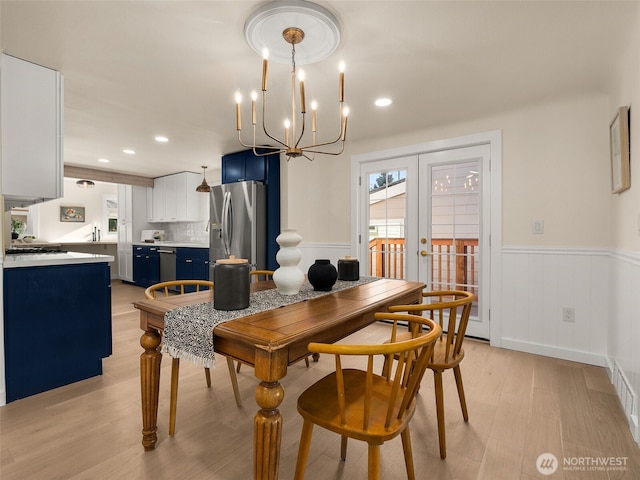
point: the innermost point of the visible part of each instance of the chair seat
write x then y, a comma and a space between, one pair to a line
319, 404
438, 361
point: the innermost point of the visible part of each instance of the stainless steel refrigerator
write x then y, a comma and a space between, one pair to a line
239, 222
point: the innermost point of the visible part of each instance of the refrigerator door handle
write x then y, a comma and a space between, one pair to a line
227, 223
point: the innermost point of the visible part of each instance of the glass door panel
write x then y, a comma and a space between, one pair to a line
387, 220
454, 196
455, 226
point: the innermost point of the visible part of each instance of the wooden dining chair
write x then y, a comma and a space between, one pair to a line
363, 405
177, 287
451, 309
260, 275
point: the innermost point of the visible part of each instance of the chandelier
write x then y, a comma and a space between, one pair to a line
294, 139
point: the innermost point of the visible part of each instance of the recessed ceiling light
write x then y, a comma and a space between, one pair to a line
383, 102
128, 151
103, 160
160, 138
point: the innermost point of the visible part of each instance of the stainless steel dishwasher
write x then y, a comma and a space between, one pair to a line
167, 263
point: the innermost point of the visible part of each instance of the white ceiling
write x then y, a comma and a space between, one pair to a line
135, 69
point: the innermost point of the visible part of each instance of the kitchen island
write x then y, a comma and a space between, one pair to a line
57, 319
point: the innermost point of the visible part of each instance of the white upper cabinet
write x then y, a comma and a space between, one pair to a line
175, 199
32, 114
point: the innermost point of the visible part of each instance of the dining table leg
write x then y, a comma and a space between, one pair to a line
270, 366
150, 386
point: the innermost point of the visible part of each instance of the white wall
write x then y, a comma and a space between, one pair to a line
51, 229
553, 154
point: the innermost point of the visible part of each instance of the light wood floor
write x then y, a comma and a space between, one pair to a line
520, 406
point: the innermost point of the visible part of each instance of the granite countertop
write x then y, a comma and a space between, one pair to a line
47, 259
108, 242
39, 243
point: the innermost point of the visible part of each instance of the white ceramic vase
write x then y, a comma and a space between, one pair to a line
288, 278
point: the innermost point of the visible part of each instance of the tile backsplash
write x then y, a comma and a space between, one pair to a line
185, 232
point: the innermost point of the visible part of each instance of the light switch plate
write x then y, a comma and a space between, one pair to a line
537, 227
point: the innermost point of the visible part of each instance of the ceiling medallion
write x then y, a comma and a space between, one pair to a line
264, 27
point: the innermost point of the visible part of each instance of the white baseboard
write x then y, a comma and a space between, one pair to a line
555, 352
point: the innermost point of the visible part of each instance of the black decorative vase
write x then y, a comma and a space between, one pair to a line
322, 275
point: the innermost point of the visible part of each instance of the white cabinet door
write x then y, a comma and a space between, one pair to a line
175, 198
170, 198
157, 205
31, 103
188, 200
125, 213
125, 232
125, 264
194, 200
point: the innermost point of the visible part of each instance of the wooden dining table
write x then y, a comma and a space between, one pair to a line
269, 341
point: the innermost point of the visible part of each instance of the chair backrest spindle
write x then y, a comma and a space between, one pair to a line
165, 287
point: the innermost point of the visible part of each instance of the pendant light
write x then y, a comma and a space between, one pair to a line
203, 187
85, 184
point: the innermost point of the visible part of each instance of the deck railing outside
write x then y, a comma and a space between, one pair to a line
454, 262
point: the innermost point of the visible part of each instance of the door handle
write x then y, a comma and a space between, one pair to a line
225, 223
424, 253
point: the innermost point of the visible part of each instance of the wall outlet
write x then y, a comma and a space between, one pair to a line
568, 314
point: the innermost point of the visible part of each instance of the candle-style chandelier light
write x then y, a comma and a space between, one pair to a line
294, 140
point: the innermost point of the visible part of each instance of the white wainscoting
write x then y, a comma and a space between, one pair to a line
604, 289
537, 283
330, 251
623, 343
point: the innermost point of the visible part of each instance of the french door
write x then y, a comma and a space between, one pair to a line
422, 219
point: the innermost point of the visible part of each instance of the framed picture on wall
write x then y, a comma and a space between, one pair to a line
619, 147
72, 214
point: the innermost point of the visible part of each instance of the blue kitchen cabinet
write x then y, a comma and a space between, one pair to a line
146, 266
192, 264
245, 165
57, 325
